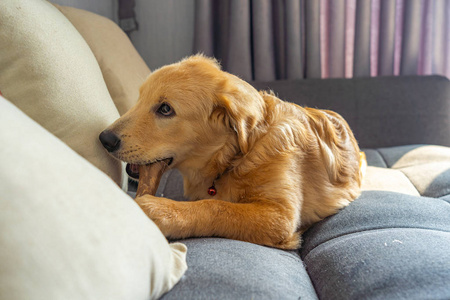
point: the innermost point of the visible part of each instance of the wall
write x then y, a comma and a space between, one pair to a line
166, 27
106, 8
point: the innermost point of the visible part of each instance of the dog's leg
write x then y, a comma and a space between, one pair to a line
263, 222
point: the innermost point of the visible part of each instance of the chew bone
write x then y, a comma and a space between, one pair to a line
149, 177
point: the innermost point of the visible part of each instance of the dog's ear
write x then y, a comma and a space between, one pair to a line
241, 107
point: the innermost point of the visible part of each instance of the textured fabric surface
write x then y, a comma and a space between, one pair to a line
268, 40
411, 155
382, 246
384, 179
414, 169
380, 210
69, 232
49, 72
383, 111
122, 67
432, 179
388, 244
228, 269
394, 264
171, 186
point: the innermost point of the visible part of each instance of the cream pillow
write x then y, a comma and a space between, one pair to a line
387, 179
69, 232
123, 68
49, 72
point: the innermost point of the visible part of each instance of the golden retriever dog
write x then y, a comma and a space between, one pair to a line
255, 168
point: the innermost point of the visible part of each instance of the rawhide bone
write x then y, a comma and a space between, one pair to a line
149, 177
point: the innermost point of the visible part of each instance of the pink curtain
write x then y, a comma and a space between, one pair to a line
400, 37
288, 39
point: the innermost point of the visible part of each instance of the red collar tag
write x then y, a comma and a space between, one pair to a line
212, 190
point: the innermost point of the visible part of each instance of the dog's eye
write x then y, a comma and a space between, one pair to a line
165, 110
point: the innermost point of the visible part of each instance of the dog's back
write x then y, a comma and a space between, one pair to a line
328, 156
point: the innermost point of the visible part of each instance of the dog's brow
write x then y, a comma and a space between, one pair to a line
162, 99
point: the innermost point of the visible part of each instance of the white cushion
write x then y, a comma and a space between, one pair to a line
67, 230
386, 179
49, 72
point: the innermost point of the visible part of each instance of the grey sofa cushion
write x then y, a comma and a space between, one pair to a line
414, 169
228, 269
382, 246
382, 111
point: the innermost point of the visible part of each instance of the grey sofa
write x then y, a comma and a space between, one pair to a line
393, 242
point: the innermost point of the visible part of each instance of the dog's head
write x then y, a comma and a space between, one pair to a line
187, 112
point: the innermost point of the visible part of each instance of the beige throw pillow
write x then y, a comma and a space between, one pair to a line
50, 73
123, 68
69, 232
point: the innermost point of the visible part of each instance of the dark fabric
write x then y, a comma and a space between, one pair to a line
375, 210
382, 111
228, 269
361, 66
411, 38
292, 39
374, 158
127, 16
171, 186
395, 264
312, 39
126, 9
334, 65
260, 40
382, 246
392, 155
386, 35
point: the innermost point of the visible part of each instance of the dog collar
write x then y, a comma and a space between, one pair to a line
212, 191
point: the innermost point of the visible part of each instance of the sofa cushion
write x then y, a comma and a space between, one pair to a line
123, 68
382, 246
228, 269
385, 179
49, 72
413, 169
413, 155
67, 230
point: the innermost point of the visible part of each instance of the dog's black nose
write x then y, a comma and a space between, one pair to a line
109, 140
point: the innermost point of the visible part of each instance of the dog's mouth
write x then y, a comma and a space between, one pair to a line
133, 169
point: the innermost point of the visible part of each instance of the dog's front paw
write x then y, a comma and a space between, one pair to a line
160, 211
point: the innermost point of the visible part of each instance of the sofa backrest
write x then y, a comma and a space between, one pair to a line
382, 111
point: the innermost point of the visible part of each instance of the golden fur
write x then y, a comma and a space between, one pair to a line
281, 167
